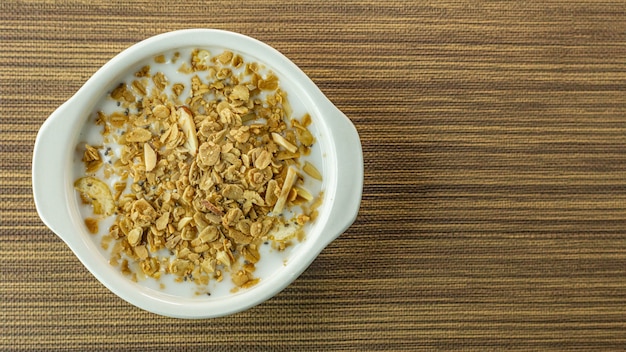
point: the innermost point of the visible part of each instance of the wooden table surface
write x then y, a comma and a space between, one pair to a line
494, 204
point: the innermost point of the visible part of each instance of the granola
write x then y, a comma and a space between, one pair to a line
202, 170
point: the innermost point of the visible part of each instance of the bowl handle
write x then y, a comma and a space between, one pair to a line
349, 174
49, 171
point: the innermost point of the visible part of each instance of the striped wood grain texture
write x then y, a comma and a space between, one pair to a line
494, 206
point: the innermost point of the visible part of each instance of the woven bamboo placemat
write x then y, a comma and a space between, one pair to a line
494, 205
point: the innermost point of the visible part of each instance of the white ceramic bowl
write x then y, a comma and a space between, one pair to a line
56, 201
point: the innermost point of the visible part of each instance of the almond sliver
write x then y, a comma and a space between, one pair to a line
280, 140
290, 179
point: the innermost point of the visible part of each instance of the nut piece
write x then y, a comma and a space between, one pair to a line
97, 193
280, 140
290, 179
304, 193
311, 170
189, 129
149, 157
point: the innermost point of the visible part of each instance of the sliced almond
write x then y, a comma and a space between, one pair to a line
280, 140
302, 192
290, 179
311, 170
149, 157
189, 129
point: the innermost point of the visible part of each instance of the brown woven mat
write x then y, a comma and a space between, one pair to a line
494, 206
